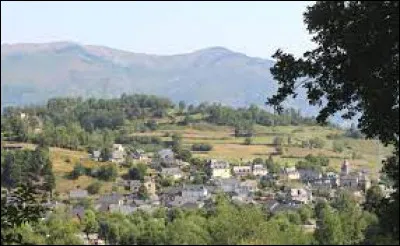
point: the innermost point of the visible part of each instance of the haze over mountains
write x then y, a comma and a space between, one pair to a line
33, 73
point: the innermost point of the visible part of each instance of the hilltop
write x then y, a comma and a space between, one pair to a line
32, 73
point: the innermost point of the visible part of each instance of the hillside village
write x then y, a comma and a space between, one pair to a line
141, 179
244, 184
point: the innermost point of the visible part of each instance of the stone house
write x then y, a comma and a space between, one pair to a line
196, 192
78, 194
227, 185
246, 187
173, 172
95, 155
307, 174
167, 157
150, 185
302, 196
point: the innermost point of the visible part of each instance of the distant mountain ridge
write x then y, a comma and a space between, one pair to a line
33, 73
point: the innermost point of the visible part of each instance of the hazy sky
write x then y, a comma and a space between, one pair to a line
254, 28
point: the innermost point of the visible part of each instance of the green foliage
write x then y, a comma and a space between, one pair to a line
305, 213
243, 118
16, 213
188, 120
329, 230
27, 167
142, 193
89, 223
107, 173
182, 106
94, 188
189, 230
184, 155
258, 161
61, 229
152, 125
272, 167
78, 170
313, 163
138, 172
105, 154
354, 66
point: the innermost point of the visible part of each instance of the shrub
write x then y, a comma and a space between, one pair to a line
94, 188
202, 147
247, 141
278, 141
79, 170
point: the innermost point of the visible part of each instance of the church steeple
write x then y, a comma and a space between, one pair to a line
345, 169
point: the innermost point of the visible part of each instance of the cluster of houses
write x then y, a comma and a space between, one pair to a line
119, 154
240, 182
222, 169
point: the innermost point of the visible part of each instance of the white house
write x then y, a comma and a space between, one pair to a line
242, 170
117, 156
259, 170
118, 147
364, 182
118, 153
291, 173
95, 155
220, 169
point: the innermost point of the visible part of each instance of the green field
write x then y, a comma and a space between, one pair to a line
227, 146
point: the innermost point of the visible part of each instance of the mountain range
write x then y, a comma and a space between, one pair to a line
33, 73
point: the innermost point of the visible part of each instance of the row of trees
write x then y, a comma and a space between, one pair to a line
105, 172
224, 115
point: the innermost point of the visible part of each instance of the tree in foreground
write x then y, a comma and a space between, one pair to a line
22, 207
355, 68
